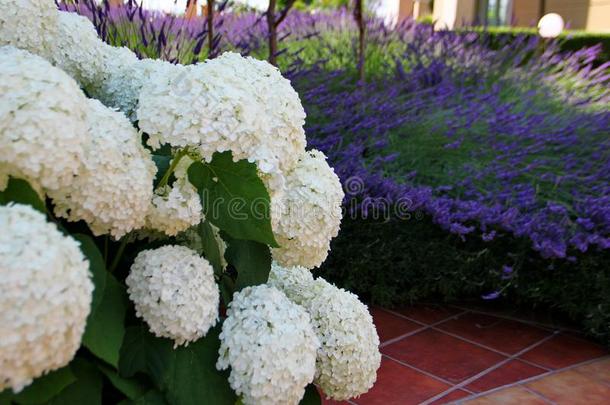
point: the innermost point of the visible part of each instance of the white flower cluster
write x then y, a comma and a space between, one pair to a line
45, 296
43, 129
113, 189
308, 215
78, 50
29, 25
348, 357
177, 207
173, 290
124, 77
228, 103
269, 344
293, 281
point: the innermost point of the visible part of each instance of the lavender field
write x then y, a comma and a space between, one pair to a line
485, 144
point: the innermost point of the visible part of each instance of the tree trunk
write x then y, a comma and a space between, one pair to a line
210, 20
272, 27
359, 16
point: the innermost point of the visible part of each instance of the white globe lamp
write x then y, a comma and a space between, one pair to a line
550, 25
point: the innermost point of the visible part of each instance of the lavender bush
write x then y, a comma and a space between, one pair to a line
485, 142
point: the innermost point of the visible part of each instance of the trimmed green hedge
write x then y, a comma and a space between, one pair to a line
395, 263
569, 40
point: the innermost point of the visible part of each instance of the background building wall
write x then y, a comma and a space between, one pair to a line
599, 16
526, 12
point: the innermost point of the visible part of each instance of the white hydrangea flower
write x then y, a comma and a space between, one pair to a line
228, 103
43, 129
348, 357
293, 281
78, 49
308, 215
125, 75
269, 344
173, 290
178, 207
29, 25
45, 296
113, 189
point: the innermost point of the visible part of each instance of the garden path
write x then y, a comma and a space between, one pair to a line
439, 355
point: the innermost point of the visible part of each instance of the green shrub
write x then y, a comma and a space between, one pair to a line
394, 263
569, 40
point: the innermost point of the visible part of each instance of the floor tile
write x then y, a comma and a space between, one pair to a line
400, 385
562, 351
442, 355
451, 397
508, 396
599, 370
510, 372
501, 334
390, 326
428, 314
571, 388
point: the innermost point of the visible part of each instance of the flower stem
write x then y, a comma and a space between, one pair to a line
171, 168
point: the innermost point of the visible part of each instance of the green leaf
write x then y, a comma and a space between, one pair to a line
226, 285
96, 266
105, 330
311, 397
152, 397
131, 387
251, 259
20, 191
210, 246
192, 378
87, 389
143, 352
44, 388
233, 197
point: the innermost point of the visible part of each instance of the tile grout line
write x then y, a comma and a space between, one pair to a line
464, 312
537, 394
412, 367
488, 370
534, 378
416, 331
552, 334
434, 327
539, 325
398, 338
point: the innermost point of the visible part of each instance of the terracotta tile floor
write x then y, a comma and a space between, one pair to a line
440, 355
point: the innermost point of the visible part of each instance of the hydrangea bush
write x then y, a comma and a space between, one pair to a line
142, 204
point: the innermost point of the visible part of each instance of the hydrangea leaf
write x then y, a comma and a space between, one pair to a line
152, 397
191, 377
251, 259
20, 191
43, 388
87, 389
234, 198
143, 352
97, 267
210, 246
186, 375
104, 332
131, 387
311, 397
